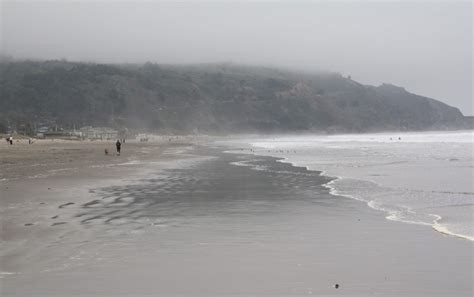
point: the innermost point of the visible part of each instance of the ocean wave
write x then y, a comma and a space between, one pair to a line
3, 274
445, 229
399, 213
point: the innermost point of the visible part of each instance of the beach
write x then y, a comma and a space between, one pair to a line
189, 218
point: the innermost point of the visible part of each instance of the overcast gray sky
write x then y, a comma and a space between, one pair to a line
424, 46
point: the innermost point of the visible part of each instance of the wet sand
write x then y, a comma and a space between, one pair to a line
42, 185
194, 221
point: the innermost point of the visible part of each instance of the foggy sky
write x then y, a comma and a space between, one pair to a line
424, 46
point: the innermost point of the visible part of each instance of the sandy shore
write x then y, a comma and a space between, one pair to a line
44, 183
52, 157
180, 219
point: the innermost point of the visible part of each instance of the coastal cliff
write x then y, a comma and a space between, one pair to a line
209, 98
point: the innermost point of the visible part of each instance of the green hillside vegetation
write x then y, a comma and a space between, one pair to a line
213, 98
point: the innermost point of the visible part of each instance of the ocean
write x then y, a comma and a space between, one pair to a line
423, 178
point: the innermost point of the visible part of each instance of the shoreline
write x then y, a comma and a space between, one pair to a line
210, 228
406, 211
389, 215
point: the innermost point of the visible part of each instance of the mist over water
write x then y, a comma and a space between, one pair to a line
424, 46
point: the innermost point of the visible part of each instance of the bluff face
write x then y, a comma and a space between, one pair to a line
217, 98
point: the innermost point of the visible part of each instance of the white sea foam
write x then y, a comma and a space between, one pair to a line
5, 273
417, 178
249, 164
445, 230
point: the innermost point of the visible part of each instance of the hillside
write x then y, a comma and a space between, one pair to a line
215, 98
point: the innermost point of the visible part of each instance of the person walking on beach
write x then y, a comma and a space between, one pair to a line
10, 140
118, 145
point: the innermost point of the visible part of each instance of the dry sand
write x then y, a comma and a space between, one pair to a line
181, 220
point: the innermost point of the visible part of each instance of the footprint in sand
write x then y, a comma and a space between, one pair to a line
55, 217
29, 224
91, 203
58, 223
66, 204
